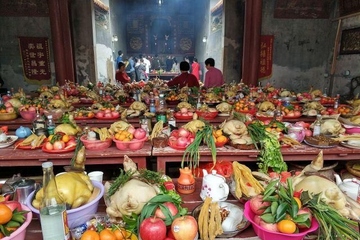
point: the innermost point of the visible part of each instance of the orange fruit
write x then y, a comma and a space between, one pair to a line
120, 234
90, 114
65, 138
107, 234
286, 226
221, 140
90, 235
5, 213
298, 201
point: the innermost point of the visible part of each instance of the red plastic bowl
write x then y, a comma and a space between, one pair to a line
264, 234
130, 145
351, 129
20, 233
207, 115
96, 144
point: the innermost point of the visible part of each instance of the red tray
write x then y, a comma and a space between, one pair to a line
58, 151
83, 118
183, 117
26, 147
107, 118
86, 100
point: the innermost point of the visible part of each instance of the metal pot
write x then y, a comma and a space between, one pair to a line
23, 188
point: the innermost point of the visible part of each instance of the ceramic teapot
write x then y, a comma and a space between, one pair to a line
214, 186
348, 186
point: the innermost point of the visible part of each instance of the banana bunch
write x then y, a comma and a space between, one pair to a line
158, 127
118, 126
103, 133
33, 140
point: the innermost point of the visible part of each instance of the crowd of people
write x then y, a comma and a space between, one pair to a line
190, 74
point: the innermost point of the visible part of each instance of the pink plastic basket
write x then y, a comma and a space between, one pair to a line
20, 233
267, 235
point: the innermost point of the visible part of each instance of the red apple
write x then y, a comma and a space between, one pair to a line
8, 104
108, 115
107, 111
184, 228
297, 113
152, 228
13, 205
32, 109
5, 98
305, 211
49, 146
10, 110
170, 206
100, 114
115, 114
59, 145
308, 132
290, 114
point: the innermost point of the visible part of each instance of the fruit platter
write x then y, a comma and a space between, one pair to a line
107, 114
180, 139
59, 143
83, 114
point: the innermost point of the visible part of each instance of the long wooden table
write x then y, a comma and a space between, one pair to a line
21, 158
190, 201
228, 153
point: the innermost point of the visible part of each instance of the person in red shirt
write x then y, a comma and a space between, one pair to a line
185, 78
213, 76
195, 68
121, 75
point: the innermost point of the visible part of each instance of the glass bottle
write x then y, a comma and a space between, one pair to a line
39, 123
53, 217
50, 125
152, 105
317, 126
278, 113
172, 120
336, 102
161, 110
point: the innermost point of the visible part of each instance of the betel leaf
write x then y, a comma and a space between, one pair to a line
304, 219
268, 217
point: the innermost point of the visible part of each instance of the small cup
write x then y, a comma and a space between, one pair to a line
96, 176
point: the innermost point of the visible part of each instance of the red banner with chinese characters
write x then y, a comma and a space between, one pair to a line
35, 58
266, 56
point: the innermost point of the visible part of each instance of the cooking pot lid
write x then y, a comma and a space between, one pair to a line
24, 183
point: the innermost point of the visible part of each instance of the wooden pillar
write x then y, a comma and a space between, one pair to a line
61, 40
252, 33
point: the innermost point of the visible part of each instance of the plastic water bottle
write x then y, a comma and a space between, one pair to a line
53, 217
50, 125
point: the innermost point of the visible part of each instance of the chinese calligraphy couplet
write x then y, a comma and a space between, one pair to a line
35, 58
266, 56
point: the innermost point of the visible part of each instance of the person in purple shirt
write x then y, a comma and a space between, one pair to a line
213, 76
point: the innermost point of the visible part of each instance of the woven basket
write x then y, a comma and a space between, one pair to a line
160, 142
349, 166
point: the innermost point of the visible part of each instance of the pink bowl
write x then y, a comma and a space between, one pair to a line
20, 233
96, 144
352, 130
267, 235
29, 115
130, 145
74, 214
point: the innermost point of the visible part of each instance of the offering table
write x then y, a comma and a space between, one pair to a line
20, 158
228, 153
190, 202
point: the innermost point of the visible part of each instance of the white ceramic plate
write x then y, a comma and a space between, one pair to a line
10, 141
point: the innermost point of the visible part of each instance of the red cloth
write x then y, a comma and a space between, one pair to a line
184, 79
195, 69
122, 77
213, 78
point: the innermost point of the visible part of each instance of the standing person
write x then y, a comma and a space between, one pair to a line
119, 57
195, 68
175, 67
121, 76
186, 59
142, 70
156, 63
213, 76
136, 66
147, 66
185, 78
168, 63
130, 69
